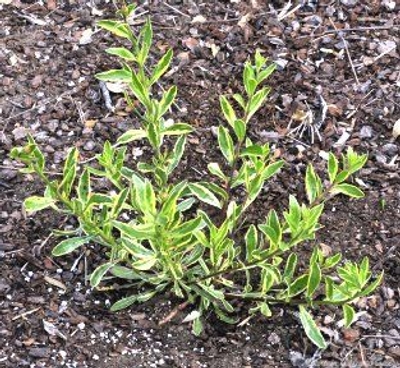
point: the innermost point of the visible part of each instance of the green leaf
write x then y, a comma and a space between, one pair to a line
253, 187
364, 271
240, 100
119, 202
239, 127
314, 279
265, 310
349, 315
144, 264
115, 75
187, 228
226, 144
249, 79
197, 327
154, 135
332, 261
228, 110
372, 286
127, 10
215, 169
145, 38
333, 166
167, 100
251, 239
178, 129
169, 206
264, 74
253, 150
149, 200
293, 217
272, 169
69, 245
290, 267
122, 52
216, 189
126, 302
311, 329
259, 60
136, 249
185, 205
36, 203
131, 135
269, 276
313, 184
257, 101
125, 273
161, 67
329, 287
69, 171
139, 90
298, 286
342, 176
224, 317
98, 199
177, 153
123, 303
98, 273
348, 189
84, 189
211, 292
120, 29
204, 194
139, 232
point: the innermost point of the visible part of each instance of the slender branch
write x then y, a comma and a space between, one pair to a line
173, 313
292, 302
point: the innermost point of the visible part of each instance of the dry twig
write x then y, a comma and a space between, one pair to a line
173, 313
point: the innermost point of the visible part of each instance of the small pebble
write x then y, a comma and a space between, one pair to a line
89, 146
366, 132
390, 149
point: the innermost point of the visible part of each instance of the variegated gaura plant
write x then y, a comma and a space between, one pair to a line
156, 232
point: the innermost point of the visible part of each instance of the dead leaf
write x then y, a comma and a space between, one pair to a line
162, 46
86, 37
199, 19
351, 335
335, 110
183, 57
53, 330
116, 87
244, 20
19, 133
214, 50
396, 129
90, 123
55, 282
299, 115
191, 316
51, 4
379, 247
190, 42
30, 341
326, 249
97, 12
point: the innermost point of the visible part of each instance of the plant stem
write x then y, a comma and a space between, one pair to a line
292, 302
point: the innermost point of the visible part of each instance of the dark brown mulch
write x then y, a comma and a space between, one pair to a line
51, 318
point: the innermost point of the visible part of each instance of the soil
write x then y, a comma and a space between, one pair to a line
346, 52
